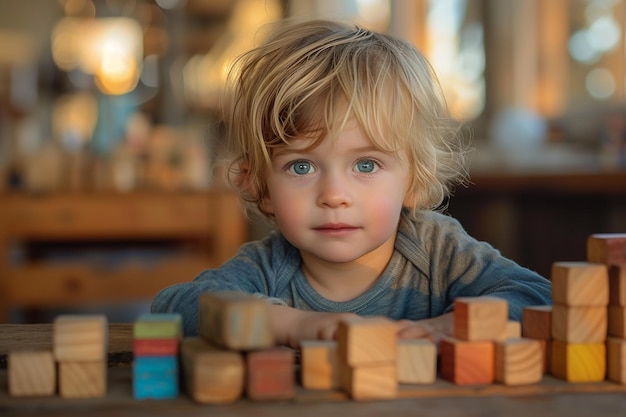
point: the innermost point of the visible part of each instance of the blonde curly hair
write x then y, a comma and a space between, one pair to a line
297, 84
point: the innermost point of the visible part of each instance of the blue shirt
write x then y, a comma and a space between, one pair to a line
434, 262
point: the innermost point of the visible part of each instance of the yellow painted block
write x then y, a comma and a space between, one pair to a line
579, 362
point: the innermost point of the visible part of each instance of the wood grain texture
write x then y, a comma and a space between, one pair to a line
417, 361
580, 284
367, 341
607, 248
617, 321
616, 360
82, 379
519, 361
537, 322
80, 338
578, 362
465, 363
319, 364
31, 373
369, 382
617, 285
579, 324
480, 318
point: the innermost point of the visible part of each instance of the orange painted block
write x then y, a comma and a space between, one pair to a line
480, 318
83, 379
579, 324
465, 363
370, 382
270, 374
319, 364
580, 284
578, 362
617, 321
537, 322
607, 248
367, 341
155, 347
617, 285
616, 360
519, 361
31, 373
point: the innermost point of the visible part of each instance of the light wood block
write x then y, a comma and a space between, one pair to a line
537, 322
467, 363
607, 248
519, 361
480, 318
158, 326
617, 321
370, 382
271, 374
211, 375
616, 360
235, 320
579, 324
83, 379
367, 341
417, 361
80, 338
580, 284
319, 364
617, 285
578, 362
31, 373
513, 330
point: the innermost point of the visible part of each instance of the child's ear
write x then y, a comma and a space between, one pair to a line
246, 185
266, 204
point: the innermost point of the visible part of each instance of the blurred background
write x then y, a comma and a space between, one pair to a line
110, 121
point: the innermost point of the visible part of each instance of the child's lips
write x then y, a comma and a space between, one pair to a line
336, 229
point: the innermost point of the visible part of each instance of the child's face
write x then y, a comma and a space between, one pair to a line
340, 201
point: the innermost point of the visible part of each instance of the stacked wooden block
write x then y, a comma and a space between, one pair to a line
156, 339
31, 373
487, 347
610, 250
235, 354
80, 346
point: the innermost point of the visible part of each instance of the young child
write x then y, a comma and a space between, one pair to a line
342, 138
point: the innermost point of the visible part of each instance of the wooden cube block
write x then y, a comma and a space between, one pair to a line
480, 318
616, 360
537, 322
158, 326
580, 284
578, 362
617, 321
367, 341
80, 338
271, 374
369, 382
607, 248
235, 320
31, 373
212, 375
319, 364
579, 324
155, 377
617, 285
467, 363
83, 379
513, 330
417, 361
519, 361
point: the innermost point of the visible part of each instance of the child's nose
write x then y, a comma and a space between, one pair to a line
334, 192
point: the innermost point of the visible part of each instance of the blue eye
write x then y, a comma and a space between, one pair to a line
301, 168
366, 166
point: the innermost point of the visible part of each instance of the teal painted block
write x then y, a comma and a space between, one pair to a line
155, 377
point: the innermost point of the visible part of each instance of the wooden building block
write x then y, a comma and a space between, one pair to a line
616, 360
467, 363
578, 362
519, 361
155, 377
31, 373
417, 361
270, 374
156, 347
235, 320
607, 248
158, 326
480, 318
319, 364
546, 348
579, 324
369, 382
617, 285
83, 379
80, 338
580, 284
211, 375
513, 330
364, 341
537, 322
617, 321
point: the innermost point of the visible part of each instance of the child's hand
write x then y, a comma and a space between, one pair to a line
434, 329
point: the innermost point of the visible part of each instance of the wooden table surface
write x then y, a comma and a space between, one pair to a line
551, 397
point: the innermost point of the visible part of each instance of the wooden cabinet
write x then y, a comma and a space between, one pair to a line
202, 229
